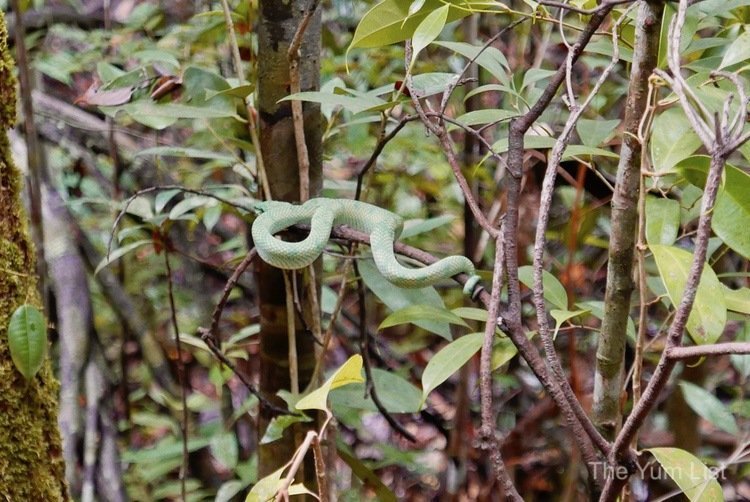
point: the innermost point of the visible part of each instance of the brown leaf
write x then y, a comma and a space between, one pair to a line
165, 85
95, 97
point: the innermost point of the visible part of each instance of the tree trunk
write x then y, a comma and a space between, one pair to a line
278, 24
610, 353
31, 463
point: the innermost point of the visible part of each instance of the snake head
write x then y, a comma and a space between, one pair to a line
261, 207
264, 206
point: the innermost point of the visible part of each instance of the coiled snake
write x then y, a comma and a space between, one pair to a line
383, 227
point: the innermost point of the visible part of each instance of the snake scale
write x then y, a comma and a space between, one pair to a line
383, 227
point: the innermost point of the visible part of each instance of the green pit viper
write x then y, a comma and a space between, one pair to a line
383, 227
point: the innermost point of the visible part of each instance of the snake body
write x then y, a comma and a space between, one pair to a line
383, 227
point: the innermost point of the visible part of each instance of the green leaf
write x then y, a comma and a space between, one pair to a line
366, 475
240, 91
741, 362
560, 316
108, 72
449, 360
737, 300
389, 22
278, 425
535, 142
472, 313
396, 394
414, 313
596, 309
353, 104
491, 59
202, 89
709, 314
534, 75
415, 6
164, 450
140, 207
489, 88
731, 216
163, 198
224, 449
672, 140
709, 407
428, 30
738, 51
228, 490
265, 489
119, 253
192, 153
160, 116
662, 220
487, 116
396, 298
690, 474
211, 216
554, 292
188, 204
156, 56
27, 340
503, 351
416, 227
349, 372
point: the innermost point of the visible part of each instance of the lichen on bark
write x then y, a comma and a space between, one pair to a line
31, 463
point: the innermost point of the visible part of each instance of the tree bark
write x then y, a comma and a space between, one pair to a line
31, 463
278, 24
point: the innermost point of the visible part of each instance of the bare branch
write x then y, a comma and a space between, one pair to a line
674, 337
606, 4
182, 379
555, 159
720, 349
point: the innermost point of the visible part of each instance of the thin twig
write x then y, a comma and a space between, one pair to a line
545, 203
485, 365
719, 147
252, 125
291, 333
606, 4
299, 456
382, 142
364, 347
213, 330
457, 79
664, 368
206, 336
719, 349
581, 425
181, 377
320, 470
644, 129
144, 191
293, 56
445, 142
319, 362
487, 430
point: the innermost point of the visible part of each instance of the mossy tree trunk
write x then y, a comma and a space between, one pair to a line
278, 23
31, 463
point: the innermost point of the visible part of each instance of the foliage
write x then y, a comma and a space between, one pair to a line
193, 175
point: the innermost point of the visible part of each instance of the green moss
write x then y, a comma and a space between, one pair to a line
7, 80
31, 463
